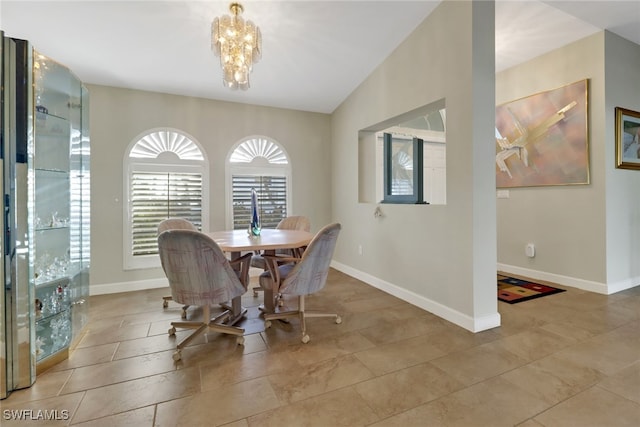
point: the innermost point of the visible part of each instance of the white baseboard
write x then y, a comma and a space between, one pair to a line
586, 285
139, 285
447, 313
623, 285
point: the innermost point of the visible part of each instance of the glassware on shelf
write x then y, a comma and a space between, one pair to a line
47, 268
54, 302
39, 306
60, 331
39, 343
53, 221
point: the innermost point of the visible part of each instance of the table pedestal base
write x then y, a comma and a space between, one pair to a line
233, 319
236, 309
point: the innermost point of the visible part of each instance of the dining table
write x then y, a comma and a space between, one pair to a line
235, 242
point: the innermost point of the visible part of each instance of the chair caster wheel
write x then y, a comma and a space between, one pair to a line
177, 355
165, 304
338, 320
172, 331
267, 324
305, 338
240, 340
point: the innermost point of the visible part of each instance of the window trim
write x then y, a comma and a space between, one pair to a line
257, 167
161, 163
418, 173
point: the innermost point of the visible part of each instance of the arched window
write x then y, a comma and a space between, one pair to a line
261, 163
167, 176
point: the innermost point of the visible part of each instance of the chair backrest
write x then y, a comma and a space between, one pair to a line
294, 223
197, 269
175, 224
310, 274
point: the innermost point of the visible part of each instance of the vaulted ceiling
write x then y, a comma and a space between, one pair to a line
315, 53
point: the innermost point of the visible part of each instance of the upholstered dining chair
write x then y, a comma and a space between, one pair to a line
172, 223
200, 274
301, 276
294, 222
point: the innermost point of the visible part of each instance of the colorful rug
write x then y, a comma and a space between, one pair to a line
512, 290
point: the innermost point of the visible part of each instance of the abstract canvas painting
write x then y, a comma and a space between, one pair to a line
542, 139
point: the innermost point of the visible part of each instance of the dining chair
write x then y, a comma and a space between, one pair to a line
201, 275
301, 276
294, 222
172, 223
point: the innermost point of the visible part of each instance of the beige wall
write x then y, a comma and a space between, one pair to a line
441, 258
586, 235
119, 115
566, 223
622, 71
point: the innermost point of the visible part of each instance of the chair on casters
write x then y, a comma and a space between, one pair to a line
300, 276
175, 224
200, 274
295, 222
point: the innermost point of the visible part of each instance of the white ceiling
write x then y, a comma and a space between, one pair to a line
315, 53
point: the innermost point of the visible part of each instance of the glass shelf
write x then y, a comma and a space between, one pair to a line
62, 173
44, 281
52, 334
53, 265
50, 310
52, 142
53, 316
53, 227
41, 116
52, 202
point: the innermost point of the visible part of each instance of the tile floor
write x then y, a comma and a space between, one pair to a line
571, 359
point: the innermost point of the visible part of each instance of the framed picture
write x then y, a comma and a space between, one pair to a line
542, 139
627, 139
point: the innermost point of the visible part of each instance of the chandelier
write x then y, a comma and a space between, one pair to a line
238, 43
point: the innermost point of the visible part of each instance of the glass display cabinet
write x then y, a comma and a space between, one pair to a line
44, 178
58, 165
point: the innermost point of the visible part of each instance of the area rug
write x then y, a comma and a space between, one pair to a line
513, 291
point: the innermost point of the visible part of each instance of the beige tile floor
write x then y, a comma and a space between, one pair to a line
571, 359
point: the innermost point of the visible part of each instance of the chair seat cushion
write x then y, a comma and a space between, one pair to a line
265, 278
